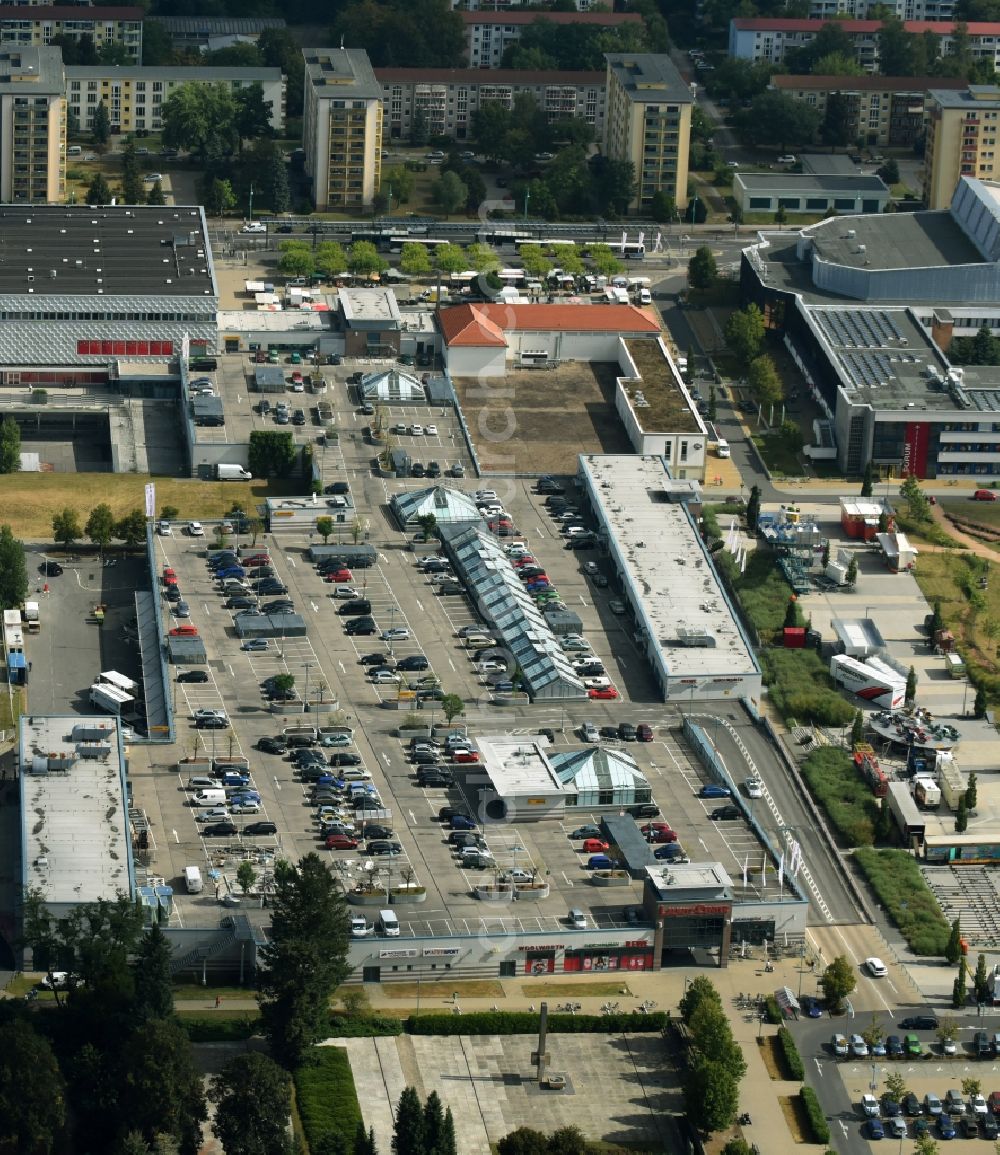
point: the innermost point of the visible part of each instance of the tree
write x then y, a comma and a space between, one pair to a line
324, 527
246, 876
613, 184
418, 128
700, 990
253, 115
157, 44
753, 508
851, 576
271, 453
449, 258
363, 259
32, 1090
980, 703
133, 192
66, 527
13, 570
766, 387
980, 983
523, 1141
156, 195
662, 208
275, 183
889, 172
911, 685
399, 182
837, 129
953, 948
962, 816
779, 121
364, 1141
252, 1097
971, 791
916, 500
883, 823
451, 706
10, 446
482, 258
702, 269
408, 1133
151, 977
837, 982
745, 335
867, 482
98, 191
132, 528
895, 1086
713, 1038
297, 259
791, 613
100, 527
305, 959
449, 193
436, 1127
959, 989
603, 260
219, 197
201, 118
161, 1090
330, 259
100, 126
415, 260
858, 728
711, 1095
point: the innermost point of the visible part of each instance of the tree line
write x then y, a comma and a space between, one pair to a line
101, 527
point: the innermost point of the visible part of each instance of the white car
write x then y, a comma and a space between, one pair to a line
196, 529
209, 714
247, 808
859, 1048
416, 431
152, 177
491, 668
754, 787
486, 495
515, 875
589, 732
60, 980
431, 430
396, 634
163, 529
385, 676
254, 227
218, 814
978, 1105
597, 683
876, 967
870, 1106
346, 592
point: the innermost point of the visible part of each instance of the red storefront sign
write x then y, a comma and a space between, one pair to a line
694, 911
915, 446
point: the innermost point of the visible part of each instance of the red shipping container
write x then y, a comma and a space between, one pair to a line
794, 637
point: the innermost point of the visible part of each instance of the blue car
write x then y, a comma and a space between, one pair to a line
875, 1129
460, 822
946, 1128
670, 851
599, 862
232, 571
711, 790
245, 798
812, 1007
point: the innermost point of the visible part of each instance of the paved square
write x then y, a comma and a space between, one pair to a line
622, 1087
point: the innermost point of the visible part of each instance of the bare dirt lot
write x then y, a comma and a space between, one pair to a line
539, 420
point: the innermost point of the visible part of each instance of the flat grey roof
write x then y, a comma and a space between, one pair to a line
986, 96
75, 829
671, 576
362, 306
32, 69
649, 78
110, 251
176, 72
812, 182
895, 241
822, 164
517, 765
342, 72
882, 355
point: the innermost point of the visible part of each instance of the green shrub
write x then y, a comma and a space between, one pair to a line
835, 783
773, 1012
364, 1026
218, 1028
793, 1060
817, 1120
325, 1095
762, 589
896, 879
526, 1023
799, 685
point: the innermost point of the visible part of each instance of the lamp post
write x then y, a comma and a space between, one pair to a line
305, 692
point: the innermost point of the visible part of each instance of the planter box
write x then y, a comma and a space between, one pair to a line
532, 893
405, 733
610, 878
494, 894
408, 897
356, 899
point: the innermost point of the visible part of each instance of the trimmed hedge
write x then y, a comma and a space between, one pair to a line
817, 1120
364, 1026
896, 879
526, 1023
793, 1060
216, 1029
326, 1097
773, 1012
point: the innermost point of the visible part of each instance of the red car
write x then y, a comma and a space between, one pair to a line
534, 577
466, 756
608, 694
184, 632
340, 575
169, 576
667, 835
341, 842
594, 846
652, 827
524, 559
255, 559
985, 495
644, 733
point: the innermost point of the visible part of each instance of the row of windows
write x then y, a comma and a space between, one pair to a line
116, 318
125, 348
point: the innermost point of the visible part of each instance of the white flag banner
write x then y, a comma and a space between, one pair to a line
640, 239
781, 871
624, 241
151, 500
746, 869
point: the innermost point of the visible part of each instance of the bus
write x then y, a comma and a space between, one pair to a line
396, 242
629, 251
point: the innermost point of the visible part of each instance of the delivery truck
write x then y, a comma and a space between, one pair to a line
926, 793
233, 473
875, 682
31, 617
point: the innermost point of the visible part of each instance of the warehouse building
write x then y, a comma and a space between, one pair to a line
793, 193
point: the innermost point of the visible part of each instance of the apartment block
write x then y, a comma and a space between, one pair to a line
867, 9
506, 5
447, 97
648, 122
962, 134
134, 96
37, 24
342, 128
32, 126
883, 111
489, 34
768, 40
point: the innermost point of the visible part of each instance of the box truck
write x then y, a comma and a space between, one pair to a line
31, 618
119, 681
875, 682
233, 473
926, 793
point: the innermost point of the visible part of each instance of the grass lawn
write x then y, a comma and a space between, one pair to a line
29, 500
192, 992
777, 457
574, 990
984, 513
442, 988
10, 709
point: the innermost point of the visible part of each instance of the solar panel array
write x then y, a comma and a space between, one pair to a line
860, 328
985, 399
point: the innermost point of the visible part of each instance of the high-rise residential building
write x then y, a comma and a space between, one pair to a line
962, 133
37, 24
134, 97
648, 121
488, 35
32, 126
342, 128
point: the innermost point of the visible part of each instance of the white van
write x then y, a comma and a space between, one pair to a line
722, 448
192, 879
645, 297
388, 924
214, 797
74, 150
359, 928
